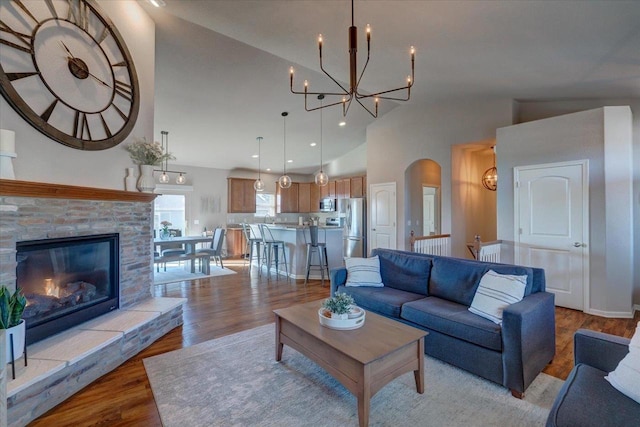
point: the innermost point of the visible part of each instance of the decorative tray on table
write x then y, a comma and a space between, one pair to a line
354, 320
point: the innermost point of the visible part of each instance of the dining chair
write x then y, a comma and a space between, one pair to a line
173, 249
215, 249
274, 251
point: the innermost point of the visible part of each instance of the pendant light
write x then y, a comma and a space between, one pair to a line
490, 176
259, 184
285, 180
322, 178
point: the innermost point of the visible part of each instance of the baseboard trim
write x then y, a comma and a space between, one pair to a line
636, 308
613, 314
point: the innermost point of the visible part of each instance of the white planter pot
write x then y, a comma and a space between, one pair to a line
18, 332
146, 182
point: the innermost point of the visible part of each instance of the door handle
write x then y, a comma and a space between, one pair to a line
577, 245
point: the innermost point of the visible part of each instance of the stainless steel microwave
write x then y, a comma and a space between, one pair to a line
328, 205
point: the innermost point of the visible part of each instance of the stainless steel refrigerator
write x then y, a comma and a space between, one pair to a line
355, 227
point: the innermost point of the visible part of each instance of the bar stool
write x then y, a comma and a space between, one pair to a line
252, 241
273, 251
313, 246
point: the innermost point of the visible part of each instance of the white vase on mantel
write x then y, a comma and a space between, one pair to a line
130, 181
146, 182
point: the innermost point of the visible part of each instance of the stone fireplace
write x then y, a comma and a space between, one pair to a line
40, 214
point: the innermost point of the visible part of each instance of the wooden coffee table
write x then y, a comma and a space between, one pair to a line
364, 360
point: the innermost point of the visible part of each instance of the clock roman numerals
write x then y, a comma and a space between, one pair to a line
24, 8
80, 124
47, 113
51, 8
124, 90
105, 126
17, 76
24, 39
78, 13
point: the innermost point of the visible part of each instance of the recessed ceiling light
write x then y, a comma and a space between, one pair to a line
268, 169
158, 3
254, 156
289, 161
313, 144
342, 124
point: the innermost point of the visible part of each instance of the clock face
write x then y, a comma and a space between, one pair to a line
66, 70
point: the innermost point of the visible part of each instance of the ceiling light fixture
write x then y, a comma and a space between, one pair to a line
285, 180
348, 95
313, 144
164, 177
158, 3
342, 124
322, 178
490, 176
259, 184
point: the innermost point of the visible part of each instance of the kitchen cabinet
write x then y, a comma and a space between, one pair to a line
314, 198
304, 196
235, 242
287, 199
328, 191
241, 196
343, 188
356, 186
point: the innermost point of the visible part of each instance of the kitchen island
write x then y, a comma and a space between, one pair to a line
296, 250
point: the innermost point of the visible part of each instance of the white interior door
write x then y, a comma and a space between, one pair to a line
382, 230
429, 214
551, 227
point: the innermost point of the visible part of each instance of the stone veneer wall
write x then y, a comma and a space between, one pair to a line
27, 218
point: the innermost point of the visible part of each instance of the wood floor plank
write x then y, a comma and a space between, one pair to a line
225, 305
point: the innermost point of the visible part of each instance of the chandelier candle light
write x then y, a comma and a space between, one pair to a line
164, 177
284, 181
322, 178
259, 184
353, 92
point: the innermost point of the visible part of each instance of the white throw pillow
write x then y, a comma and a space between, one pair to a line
496, 292
363, 272
626, 377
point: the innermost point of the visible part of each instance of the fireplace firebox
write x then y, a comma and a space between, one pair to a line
67, 281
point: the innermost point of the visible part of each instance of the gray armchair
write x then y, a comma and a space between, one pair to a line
587, 399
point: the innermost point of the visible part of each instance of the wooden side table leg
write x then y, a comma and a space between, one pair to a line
364, 397
279, 345
419, 374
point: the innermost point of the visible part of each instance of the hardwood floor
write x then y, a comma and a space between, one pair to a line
228, 304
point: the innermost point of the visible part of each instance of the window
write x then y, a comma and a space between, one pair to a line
265, 204
170, 207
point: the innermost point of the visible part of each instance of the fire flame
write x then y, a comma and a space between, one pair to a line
51, 289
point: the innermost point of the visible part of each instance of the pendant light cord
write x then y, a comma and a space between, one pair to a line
321, 135
284, 143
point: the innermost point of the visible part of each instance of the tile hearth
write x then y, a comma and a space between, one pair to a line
61, 365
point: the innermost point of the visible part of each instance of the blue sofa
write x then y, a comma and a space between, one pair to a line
434, 293
586, 399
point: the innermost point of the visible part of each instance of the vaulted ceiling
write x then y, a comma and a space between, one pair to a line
222, 66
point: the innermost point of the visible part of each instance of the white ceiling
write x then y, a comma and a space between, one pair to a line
223, 82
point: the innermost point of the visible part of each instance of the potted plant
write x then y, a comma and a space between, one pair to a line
147, 155
164, 230
338, 307
11, 308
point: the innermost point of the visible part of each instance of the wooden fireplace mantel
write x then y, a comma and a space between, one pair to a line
14, 188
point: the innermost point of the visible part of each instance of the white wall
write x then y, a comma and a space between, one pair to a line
528, 111
412, 132
41, 159
352, 163
580, 136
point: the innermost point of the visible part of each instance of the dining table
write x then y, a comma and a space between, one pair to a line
190, 246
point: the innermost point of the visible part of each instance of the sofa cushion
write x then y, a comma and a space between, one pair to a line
626, 377
496, 292
457, 279
404, 271
363, 272
455, 320
386, 301
587, 399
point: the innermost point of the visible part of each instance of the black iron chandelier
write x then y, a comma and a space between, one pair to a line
348, 95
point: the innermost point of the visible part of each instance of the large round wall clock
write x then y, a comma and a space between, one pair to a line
65, 68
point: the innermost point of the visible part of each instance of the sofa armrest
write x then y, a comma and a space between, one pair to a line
528, 339
599, 350
338, 277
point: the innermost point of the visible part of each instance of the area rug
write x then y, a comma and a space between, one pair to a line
235, 381
178, 274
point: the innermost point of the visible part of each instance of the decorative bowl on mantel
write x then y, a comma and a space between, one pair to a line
352, 320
